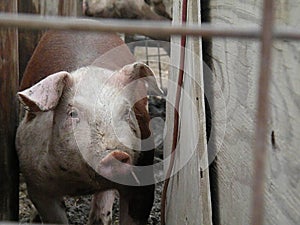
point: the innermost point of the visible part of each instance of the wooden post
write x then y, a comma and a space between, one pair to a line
70, 8
9, 172
188, 194
28, 39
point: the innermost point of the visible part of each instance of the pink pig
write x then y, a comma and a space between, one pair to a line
84, 128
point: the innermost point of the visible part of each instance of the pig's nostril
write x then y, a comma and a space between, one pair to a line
115, 164
123, 157
125, 160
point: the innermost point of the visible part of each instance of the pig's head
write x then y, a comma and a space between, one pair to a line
93, 115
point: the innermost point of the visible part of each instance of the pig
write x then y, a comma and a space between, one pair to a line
85, 123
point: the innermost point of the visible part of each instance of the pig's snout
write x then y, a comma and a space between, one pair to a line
117, 165
116, 157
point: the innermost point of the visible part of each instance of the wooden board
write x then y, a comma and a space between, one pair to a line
235, 66
70, 8
28, 39
9, 172
188, 199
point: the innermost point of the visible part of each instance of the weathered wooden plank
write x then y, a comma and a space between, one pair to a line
60, 7
188, 200
9, 172
29, 39
70, 8
235, 66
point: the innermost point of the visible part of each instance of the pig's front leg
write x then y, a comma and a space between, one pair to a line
136, 204
101, 208
51, 209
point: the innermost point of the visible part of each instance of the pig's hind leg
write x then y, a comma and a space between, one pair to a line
101, 208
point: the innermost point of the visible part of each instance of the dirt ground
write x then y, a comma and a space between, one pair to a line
78, 208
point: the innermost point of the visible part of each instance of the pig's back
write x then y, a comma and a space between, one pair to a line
70, 50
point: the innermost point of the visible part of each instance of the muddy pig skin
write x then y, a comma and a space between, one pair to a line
83, 130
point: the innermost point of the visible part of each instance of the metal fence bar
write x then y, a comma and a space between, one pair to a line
260, 149
147, 28
267, 33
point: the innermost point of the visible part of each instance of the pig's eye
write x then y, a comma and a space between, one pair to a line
73, 114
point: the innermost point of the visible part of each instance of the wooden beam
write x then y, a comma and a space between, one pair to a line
28, 39
188, 194
9, 172
70, 8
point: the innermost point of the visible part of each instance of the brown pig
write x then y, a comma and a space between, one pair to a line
86, 127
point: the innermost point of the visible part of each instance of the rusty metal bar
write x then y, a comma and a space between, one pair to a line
260, 150
157, 28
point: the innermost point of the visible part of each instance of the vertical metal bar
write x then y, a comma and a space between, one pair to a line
260, 150
159, 65
147, 53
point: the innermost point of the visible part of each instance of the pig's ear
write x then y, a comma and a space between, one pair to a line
44, 95
141, 71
